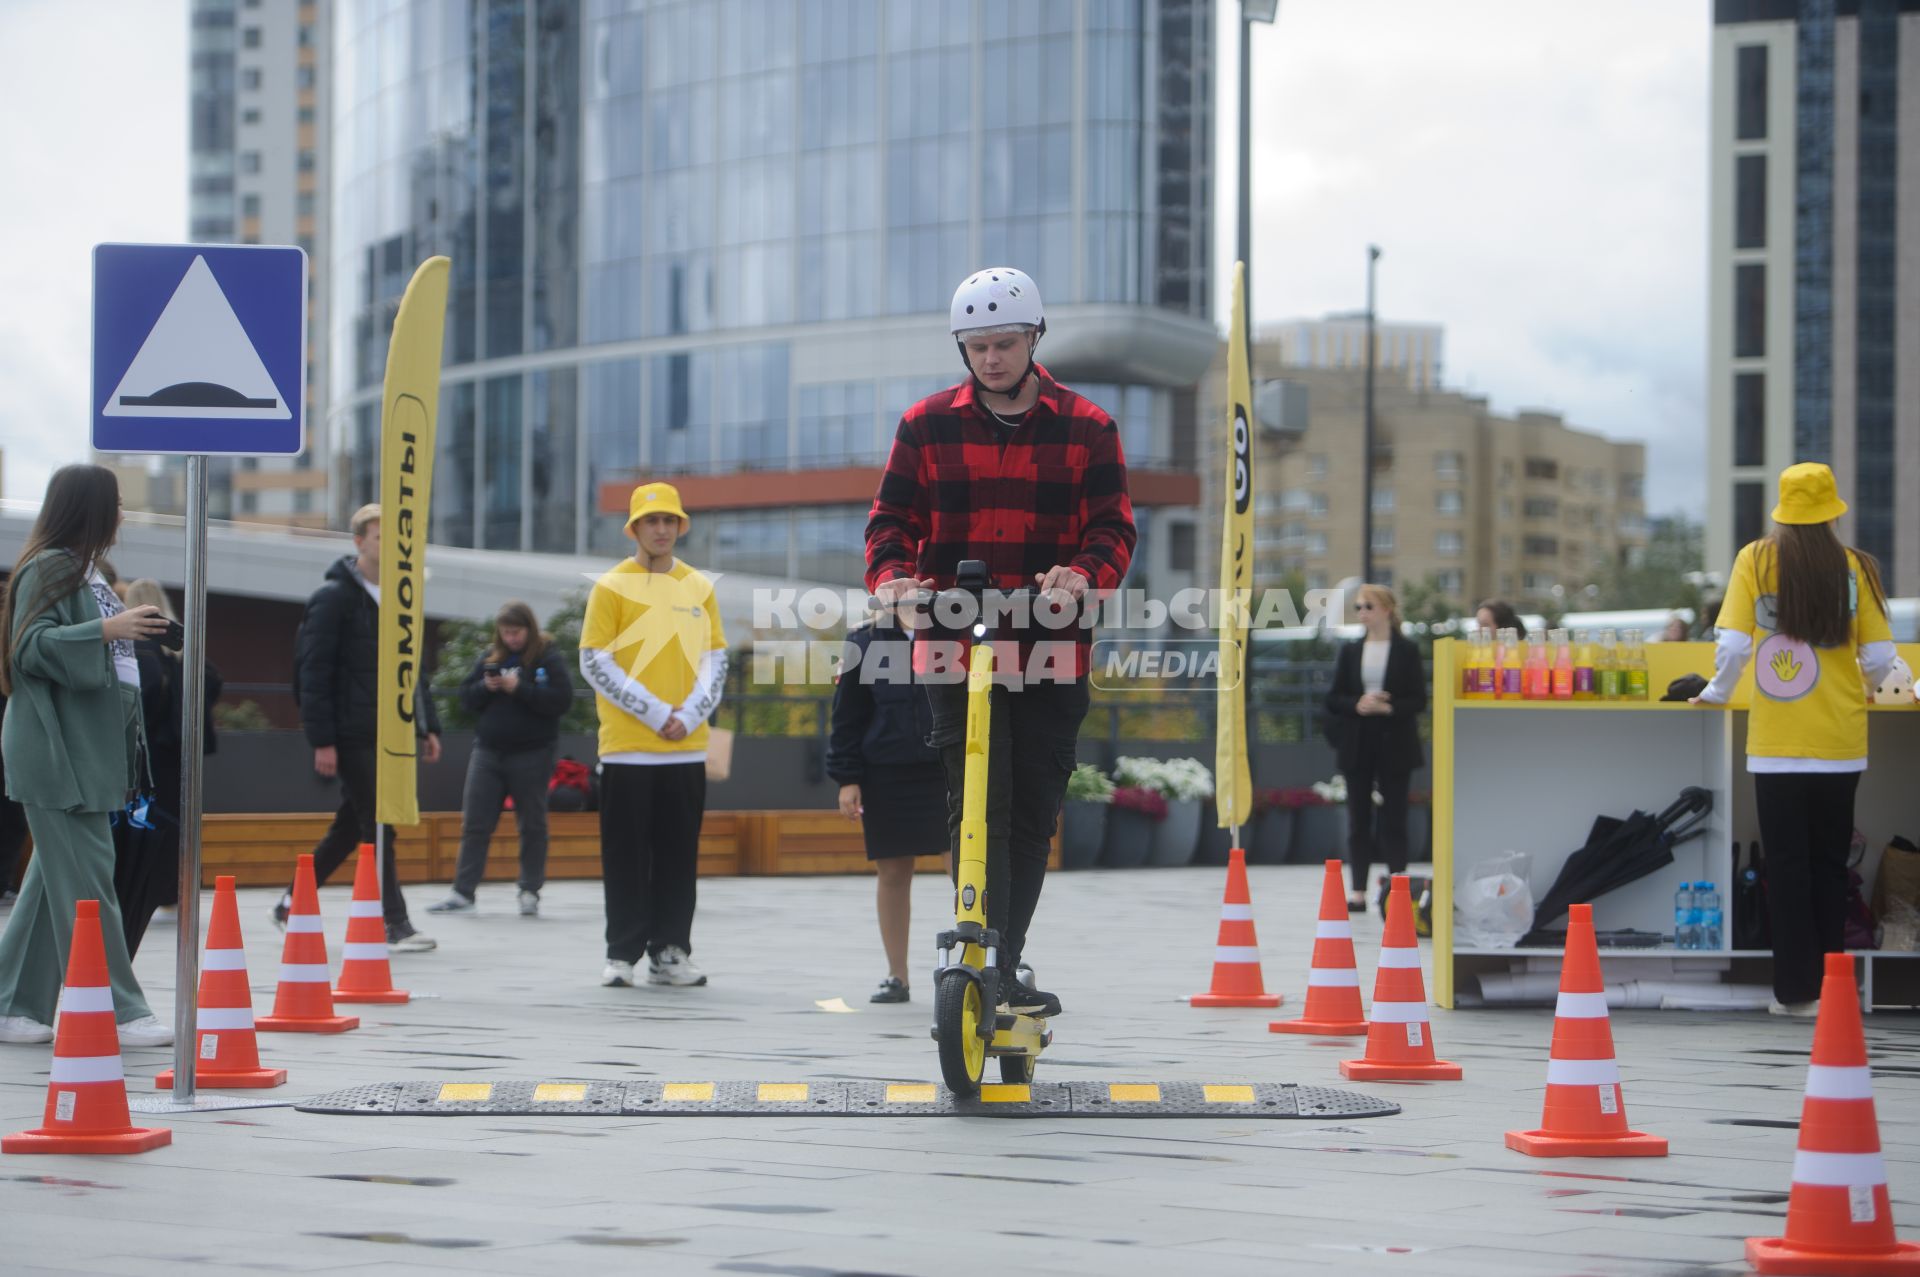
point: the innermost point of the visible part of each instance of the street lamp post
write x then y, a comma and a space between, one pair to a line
1251, 11
1366, 460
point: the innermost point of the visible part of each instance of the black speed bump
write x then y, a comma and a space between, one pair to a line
850, 1099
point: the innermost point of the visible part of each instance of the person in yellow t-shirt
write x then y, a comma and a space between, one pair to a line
1811, 615
653, 651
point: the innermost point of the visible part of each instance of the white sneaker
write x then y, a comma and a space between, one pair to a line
454, 903
1798, 1010
672, 966
165, 916
529, 904
23, 1028
146, 1031
618, 975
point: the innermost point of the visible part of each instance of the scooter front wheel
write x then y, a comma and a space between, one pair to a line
963, 1052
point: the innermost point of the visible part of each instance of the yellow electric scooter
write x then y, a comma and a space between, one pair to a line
970, 1019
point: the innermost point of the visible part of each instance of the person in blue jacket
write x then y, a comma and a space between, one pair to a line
891, 780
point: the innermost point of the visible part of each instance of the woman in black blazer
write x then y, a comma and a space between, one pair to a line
1373, 723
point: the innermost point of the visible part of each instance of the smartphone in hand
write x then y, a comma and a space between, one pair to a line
174, 637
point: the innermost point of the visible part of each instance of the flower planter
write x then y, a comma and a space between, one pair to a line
1319, 833
1129, 839
1176, 838
1272, 840
1083, 828
1215, 842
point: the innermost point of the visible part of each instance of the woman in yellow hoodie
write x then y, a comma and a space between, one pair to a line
1810, 613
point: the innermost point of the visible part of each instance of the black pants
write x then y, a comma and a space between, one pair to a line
353, 825
493, 776
1029, 756
1375, 833
650, 854
13, 833
146, 862
1806, 829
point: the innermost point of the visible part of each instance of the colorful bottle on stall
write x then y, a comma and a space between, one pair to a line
1635, 668
1470, 667
1562, 665
1511, 668
1606, 666
1586, 684
1537, 676
1488, 673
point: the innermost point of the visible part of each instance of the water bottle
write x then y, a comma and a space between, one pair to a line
1683, 923
1707, 906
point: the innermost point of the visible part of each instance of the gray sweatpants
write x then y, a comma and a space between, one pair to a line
493, 777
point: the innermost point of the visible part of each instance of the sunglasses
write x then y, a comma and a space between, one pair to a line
1363, 607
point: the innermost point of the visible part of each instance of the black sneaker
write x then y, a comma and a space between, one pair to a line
282, 909
402, 938
891, 990
1020, 996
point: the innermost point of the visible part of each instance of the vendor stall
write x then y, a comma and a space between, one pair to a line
1533, 776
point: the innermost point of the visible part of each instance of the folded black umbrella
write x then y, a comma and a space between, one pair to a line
1618, 852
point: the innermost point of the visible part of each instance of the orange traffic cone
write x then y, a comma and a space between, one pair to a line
1333, 982
304, 1001
1236, 955
365, 974
1585, 1114
87, 1093
226, 1049
1838, 1219
1399, 1041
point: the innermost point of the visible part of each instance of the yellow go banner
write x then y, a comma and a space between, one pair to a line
410, 411
1233, 783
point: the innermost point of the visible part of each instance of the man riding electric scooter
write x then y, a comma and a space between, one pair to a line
1013, 469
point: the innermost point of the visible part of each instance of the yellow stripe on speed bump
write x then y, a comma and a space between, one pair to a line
1006, 1093
1133, 1093
559, 1092
1229, 1094
456, 1091
912, 1093
783, 1092
687, 1092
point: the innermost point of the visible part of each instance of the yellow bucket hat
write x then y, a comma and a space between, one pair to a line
1808, 495
656, 498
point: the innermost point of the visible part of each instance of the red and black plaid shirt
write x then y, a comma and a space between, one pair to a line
1051, 492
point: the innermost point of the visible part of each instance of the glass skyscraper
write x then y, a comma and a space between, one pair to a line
714, 241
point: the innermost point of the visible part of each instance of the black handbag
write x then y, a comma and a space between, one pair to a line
1752, 929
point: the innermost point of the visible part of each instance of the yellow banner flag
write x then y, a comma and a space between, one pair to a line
1233, 783
409, 411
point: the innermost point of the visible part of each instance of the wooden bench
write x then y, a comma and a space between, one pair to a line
259, 850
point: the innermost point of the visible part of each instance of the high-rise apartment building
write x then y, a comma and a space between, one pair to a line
1814, 331
1476, 503
258, 154
714, 241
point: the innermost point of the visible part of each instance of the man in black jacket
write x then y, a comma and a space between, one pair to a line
336, 672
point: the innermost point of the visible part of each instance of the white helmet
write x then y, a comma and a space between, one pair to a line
997, 299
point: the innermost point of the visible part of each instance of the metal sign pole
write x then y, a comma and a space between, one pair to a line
193, 701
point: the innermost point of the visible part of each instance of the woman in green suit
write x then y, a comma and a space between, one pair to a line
73, 742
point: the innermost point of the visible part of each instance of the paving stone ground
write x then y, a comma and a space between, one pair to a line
1430, 1191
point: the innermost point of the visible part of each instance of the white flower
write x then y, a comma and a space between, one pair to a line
1178, 779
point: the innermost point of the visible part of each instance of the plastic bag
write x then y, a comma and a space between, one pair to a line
1492, 904
1900, 927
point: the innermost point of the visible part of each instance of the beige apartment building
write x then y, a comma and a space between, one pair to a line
1482, 505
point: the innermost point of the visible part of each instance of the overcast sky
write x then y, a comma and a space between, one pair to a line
1535, 171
